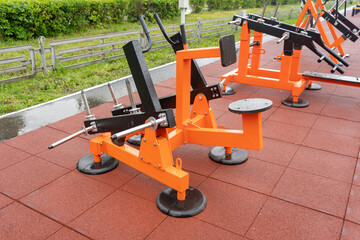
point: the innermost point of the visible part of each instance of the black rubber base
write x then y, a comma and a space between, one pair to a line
238, 156
87, 165
302, 103
194, 203
314, 87
228, 91
135, 140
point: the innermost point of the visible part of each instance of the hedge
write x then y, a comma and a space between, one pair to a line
32, 18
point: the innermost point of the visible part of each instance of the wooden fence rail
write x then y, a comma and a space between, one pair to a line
107, 47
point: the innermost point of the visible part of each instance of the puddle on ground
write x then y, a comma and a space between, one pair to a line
18, 123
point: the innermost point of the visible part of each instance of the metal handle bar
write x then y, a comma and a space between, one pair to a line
147, 34
263, 12
276, 9
152, 124
183, 33
83, 131
161, 26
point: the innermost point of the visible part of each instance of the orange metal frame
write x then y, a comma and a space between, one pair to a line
287, 78
309, 5
196, 125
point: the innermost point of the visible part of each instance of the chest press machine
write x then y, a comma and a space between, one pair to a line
163, 132
288, 77
334, 20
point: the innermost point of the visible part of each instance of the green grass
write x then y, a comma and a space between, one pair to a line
62, 82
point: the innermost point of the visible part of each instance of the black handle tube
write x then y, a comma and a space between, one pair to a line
161, 26
183, 33
147, 34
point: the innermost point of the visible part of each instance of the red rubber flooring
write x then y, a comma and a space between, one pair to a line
304, 183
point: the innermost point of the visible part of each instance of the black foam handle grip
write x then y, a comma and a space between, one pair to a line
183, 34
147, 34
162, 29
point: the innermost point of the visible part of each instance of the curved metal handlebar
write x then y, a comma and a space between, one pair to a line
183, 33
147, 34
161, 26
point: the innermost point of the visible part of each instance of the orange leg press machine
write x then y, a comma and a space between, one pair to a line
288, 77
163, 132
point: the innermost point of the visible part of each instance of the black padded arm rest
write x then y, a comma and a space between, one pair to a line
227, 50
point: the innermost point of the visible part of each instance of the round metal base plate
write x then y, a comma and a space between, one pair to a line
87, 165
194, 203
314, 87
302, 103
228, 91
135, 140
238, 156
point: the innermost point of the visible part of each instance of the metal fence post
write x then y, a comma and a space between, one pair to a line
42, 53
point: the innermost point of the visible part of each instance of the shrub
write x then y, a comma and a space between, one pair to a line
21, 19
197, 5
213, 4
147, 8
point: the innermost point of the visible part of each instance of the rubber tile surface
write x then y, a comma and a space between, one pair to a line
4, 201
351, 231
275, 151
332, 142
325, 164
27, 176
338, 126
119, 216
227, 202
285, 132
68, 197
10, 155
342, 107
319, 193
36, 141
66, 234
254, 174
283, 220
293, 117
353, 209
20, 222
190, 228
68, 154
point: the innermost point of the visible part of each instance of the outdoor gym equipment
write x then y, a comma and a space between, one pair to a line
163, 132
288, 78
198, 82
334, 20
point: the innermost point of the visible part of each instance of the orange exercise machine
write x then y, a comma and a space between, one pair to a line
163, 132
334, 20
288, 77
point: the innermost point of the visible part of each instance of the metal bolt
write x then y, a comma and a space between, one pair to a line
154, 144
185, 125
159, 166
194, 112
206, 113
101, 143
185, 142
144, 140
141, 157
200, 98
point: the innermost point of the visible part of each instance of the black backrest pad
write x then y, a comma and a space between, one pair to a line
227, 50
